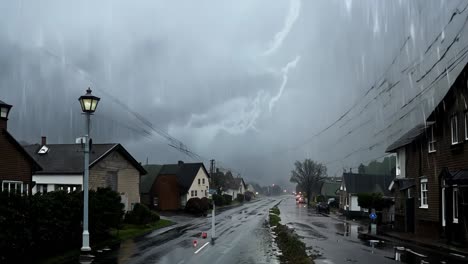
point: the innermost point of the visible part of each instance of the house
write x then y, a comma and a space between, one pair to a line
170, 186
431, 189
16, 165
147, 186
354, 183
235, 187
330, 189
110, 166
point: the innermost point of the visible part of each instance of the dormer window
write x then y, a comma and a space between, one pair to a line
454, 129
43, 150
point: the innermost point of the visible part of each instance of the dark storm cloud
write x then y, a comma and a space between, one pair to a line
248, 83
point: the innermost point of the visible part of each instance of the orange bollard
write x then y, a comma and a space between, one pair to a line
194, 243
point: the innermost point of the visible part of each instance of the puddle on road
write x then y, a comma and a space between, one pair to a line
348, 230
306, 231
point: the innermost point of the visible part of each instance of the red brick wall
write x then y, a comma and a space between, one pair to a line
166, 189
13, 164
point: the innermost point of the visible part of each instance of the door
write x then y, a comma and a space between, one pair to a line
409, 215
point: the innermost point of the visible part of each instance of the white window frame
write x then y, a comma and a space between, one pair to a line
432, 141
466, 125
191, 193
423, 190
455, 204
454, 129
203, 181
23, 187
199, 181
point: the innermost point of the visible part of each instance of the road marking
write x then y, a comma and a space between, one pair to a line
206, 244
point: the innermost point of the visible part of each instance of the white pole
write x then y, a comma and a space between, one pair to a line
213, 234
86, 246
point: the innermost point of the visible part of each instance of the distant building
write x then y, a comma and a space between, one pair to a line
235, 187
170, 186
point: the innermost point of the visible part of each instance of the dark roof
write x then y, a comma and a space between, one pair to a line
185, 173
68, 158
405, 183
408, 137
455, 177
147, 180
330, 188
36, 166
367, 183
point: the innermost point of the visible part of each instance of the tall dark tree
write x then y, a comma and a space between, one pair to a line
308, 175
362, 169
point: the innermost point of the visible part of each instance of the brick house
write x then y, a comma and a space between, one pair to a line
16, 165
170, 186
110, 166
430, 194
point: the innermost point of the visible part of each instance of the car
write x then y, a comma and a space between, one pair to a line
323, 207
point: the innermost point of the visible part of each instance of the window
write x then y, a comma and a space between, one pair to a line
41, 188
191, 193
203, 180
67, 188
15, 187
424, 194
432, 141
112, 180
196, 193
198, 181
466, 125
455, 204
408, 194
454, 129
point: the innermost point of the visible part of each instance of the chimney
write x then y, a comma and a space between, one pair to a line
180, 162
43, 141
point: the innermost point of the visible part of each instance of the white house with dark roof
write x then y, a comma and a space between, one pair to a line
110, 166
237, 186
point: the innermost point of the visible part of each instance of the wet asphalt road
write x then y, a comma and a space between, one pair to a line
336, 240
242, 237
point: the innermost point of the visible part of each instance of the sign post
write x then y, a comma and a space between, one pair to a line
373, 216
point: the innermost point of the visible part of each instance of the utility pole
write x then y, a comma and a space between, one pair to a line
212, 167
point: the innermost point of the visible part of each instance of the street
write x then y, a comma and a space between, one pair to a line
242, 237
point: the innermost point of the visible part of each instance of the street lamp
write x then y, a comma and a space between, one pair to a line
4, 110
88, 103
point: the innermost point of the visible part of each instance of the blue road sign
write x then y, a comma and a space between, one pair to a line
373, 216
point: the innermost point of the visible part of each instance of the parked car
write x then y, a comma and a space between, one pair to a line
323, 207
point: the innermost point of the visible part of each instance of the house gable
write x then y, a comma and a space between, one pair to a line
201, 188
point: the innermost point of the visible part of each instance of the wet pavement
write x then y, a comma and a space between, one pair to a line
242, 237
336, 240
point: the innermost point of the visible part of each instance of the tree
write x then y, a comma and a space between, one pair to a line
308, 175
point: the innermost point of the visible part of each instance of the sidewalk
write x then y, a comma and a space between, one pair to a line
419, 241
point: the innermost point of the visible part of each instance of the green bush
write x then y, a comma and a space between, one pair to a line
218, 199
205, 204
240, 198
42, 225
141, 215
195, 206
227, 199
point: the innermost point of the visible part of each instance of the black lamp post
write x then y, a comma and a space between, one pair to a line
4, 110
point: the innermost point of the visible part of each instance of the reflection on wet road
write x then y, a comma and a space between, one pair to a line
337, 241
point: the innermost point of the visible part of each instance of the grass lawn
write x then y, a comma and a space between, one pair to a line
131, 231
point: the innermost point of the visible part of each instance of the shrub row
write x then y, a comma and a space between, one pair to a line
47, 224
220, 200
141, 215
198, 206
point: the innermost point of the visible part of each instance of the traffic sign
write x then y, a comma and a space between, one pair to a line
373, 216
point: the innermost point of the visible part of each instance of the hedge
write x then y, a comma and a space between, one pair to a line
44, 225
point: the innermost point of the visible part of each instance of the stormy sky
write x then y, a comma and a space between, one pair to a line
255, 85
